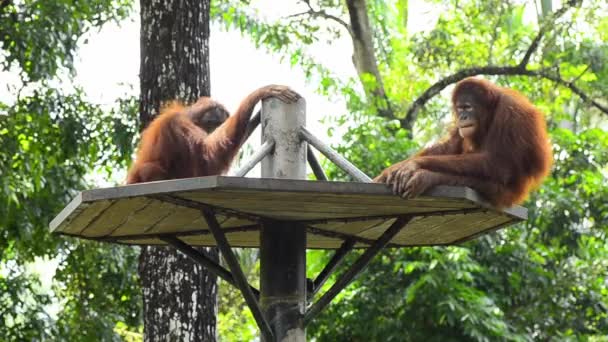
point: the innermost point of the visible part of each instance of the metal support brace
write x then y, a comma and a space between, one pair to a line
314, 164
334, 156
201, 258
356, 268
253, 123
264, 150
237, 273
333, 263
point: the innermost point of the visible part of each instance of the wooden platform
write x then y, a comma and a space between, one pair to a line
332, 211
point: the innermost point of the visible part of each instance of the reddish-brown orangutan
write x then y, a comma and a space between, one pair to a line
498, 146
200, 140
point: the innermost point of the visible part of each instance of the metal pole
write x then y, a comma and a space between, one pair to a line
255, 159
237, 274
283, 244
254, 122
315, 165
332, 155
205, 261
357, 267
333, 263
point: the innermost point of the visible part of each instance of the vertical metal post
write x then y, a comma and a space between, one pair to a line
281, 122
283, 244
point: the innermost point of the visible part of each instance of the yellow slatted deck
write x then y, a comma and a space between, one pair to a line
332, 211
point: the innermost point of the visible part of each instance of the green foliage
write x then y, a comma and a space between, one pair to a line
22, 306
412, 295
50, 142
98, 285
235, 320
41, 36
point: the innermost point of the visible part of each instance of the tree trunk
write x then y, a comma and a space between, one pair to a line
364, 57
179, 296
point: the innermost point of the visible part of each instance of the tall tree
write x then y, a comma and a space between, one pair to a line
179, 295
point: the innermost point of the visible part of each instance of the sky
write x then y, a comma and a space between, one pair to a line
237, 68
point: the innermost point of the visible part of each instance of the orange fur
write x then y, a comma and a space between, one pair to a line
509, 155
176, 145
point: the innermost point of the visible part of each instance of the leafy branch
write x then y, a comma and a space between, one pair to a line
311, 12
520, 69
5, 3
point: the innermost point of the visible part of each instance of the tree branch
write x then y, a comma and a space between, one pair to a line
520, 69
436, 88
548, 23
581, 74
321, 14
570, 85
364, 57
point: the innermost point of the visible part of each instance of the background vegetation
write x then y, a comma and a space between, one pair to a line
544, 279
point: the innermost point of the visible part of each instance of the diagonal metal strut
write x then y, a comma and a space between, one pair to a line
334, 156
333, 263
264, 150
314, 164
237, 273
356, 268
204, 260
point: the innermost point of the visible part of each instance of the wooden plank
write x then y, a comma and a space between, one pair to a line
121, 212
227, 196
424, 226
150, 188
67, 214
456, 229
178, 219
507, 222
240, 239
378, 229
320, 206
91, 211
451, 230
145, 219
138, 242
311, 206
442, 191
489, 224
248, 244
353, 228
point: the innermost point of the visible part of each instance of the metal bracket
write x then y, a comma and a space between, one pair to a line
333, 263
356, 268
314, 164
334, 156
237, 273
204, 260
264, 150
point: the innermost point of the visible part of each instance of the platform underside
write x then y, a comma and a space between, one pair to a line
332, 212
